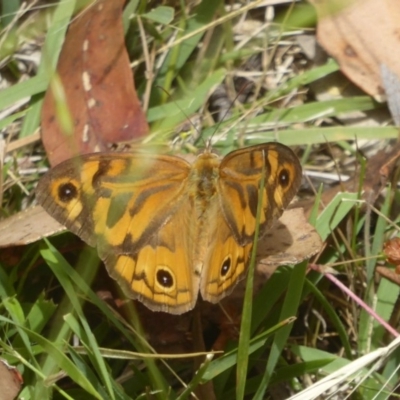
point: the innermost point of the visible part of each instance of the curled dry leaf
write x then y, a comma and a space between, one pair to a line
27, 226
98, 83
391, 249
361, 35
10, 381
391, 84
291, 241
389, 274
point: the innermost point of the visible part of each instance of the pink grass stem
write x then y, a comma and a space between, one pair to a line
346, 290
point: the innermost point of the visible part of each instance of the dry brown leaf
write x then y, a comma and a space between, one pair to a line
98, 83
391, 248
290, 241
27, 226
391, 84
361, 35
388, 273
10, 381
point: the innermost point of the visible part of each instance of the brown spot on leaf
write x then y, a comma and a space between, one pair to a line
349, 51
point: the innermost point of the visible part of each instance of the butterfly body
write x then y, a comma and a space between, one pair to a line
167, 229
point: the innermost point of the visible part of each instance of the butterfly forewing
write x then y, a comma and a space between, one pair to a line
239, 187
117, 199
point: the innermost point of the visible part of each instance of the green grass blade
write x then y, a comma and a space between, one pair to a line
63, 362
334, 213
289, 309
245, 325
51, 51
230, 359
333, 317
81, 278
176, 59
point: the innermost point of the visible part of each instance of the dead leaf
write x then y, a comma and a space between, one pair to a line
290, 241
391, 249
389, 274
27, 226
98, 83
361, 35
10, 381
391, 84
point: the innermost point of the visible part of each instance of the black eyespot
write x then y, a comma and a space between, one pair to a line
284, 177
226, 266
164, 278
67, 192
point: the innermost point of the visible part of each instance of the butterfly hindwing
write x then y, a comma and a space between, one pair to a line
161, 274
225, 263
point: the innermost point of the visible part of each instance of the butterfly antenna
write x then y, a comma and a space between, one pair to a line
242, 89
207, 143
184, 113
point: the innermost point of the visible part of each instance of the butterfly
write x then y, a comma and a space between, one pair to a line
167, 229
